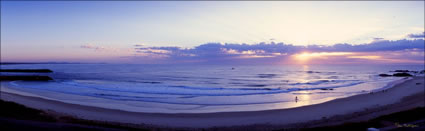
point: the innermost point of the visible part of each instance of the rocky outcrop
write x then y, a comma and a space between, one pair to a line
401, 71
385, 75
25, 78
402, 74
27, 70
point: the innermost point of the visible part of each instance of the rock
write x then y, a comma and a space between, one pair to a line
401, 71
422, 72
385, 75
27, 70
402, 74
25, 78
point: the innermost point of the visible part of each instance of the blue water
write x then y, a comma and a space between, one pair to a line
203, 88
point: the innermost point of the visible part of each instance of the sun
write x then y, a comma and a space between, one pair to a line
305, 57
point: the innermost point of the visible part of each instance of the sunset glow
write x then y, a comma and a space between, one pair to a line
366, 57
225, 32
305, 56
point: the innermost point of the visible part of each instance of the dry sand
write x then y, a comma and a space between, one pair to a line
401, 97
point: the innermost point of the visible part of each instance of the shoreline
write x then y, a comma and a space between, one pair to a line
342, 107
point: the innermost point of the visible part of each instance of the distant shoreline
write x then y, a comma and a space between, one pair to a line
389, 101
22, 63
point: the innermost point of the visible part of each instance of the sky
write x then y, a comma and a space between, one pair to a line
244, 32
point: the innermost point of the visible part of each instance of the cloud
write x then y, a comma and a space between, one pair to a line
378, 39
269, 53
90, 46
379, 50
153, 51
263, 48
417, 35
106, 49
381, 45
139, 45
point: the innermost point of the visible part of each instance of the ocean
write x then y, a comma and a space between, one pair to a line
202, 88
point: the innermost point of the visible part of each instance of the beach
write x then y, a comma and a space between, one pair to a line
403, 96
213, 65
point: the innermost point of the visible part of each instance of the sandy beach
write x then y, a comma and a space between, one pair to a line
403, 96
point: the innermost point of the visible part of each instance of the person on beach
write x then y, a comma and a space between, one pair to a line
296, 99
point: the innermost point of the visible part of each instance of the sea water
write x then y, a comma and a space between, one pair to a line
202, 88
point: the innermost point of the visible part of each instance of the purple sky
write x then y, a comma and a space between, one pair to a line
213, 32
